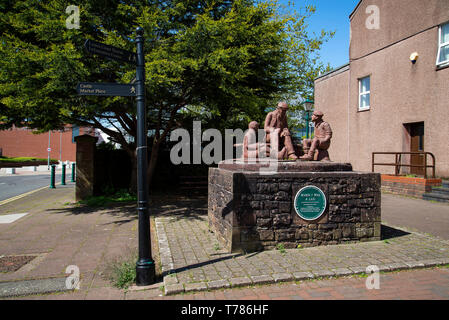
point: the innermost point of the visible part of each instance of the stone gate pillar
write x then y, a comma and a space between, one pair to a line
85, 162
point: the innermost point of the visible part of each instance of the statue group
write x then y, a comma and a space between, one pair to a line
278, 142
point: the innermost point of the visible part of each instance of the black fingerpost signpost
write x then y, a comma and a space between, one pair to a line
145, 268
110, 52
106, 89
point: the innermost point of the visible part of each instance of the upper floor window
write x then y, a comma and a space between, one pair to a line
443, 45
364, 93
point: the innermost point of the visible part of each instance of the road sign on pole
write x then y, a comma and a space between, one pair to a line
145, 268
106, 89
110, 52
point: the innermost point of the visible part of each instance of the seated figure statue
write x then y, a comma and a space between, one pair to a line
276, 123
321, 142
251, 148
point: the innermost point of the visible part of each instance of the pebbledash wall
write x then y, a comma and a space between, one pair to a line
21, 142
401, 92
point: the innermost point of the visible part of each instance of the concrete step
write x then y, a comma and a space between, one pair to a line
436, 197
446, 184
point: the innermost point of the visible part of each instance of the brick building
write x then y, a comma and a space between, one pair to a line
385, 99
21, 142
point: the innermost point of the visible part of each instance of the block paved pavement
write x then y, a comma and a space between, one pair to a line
61, 234
192, 259
423, 284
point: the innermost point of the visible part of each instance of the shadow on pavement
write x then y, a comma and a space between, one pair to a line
127, 210
387, 232
201, 264
179, 208
173, 206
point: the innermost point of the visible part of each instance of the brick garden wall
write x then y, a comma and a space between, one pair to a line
22, 142
414, 187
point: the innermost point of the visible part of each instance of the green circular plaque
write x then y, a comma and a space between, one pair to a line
310, 203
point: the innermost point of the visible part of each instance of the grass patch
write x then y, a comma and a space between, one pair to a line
121, 271
121, 196
281, 248
361, 275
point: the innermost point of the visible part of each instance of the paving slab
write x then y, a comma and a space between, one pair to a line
183, 238
191, 259
30, 287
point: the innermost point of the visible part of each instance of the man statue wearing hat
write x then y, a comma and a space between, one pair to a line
321, 141
276, 123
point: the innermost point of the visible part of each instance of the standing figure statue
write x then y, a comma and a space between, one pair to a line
276, 123
321, 141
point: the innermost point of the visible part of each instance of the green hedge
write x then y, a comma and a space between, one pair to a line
24, 161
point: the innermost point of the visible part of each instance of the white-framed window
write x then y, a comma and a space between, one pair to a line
443, 45
364, 93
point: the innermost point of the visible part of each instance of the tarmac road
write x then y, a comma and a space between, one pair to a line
416, 214
14, 185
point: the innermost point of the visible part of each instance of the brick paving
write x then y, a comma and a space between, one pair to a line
61, 234
422, 284
432, 284
190, 254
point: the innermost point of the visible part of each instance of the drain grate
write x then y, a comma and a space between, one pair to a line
14, 263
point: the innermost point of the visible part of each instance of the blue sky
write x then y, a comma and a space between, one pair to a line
330, 15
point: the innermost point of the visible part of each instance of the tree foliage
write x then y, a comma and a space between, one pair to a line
221, 61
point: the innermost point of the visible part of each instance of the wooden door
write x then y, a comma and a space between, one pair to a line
417, 145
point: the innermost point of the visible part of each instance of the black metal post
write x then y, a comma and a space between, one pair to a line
145, 269
73, 172
63, 175
52, 177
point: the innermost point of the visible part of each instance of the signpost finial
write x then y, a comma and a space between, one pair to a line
139, 31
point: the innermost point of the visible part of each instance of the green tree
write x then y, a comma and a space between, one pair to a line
229, 59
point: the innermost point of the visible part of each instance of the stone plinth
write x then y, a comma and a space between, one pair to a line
251, 211
283, 166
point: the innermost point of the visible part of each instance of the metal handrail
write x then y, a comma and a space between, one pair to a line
398, 165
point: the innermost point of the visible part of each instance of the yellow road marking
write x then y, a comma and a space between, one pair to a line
23, 195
